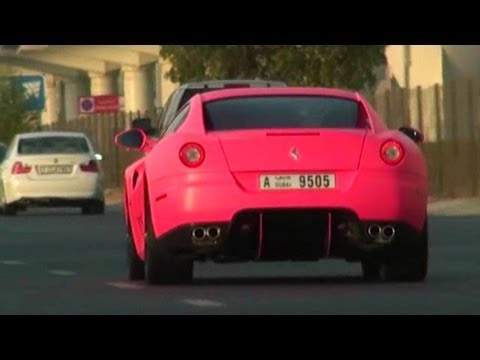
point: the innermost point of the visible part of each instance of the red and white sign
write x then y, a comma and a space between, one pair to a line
99, 104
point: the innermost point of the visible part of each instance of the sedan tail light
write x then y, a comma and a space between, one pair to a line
19, 169
91, 167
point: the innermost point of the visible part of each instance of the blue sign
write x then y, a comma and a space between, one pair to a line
87, 105
33, 87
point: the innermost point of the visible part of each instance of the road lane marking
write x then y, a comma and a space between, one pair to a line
12, 262
62, 272
126, 285
204, 303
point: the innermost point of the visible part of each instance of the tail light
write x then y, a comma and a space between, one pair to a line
91, 167
192, 155
19, 169
392, 152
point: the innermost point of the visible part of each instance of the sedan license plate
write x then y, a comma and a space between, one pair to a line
298, 182
54, 169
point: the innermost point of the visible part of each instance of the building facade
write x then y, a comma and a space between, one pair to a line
136, 73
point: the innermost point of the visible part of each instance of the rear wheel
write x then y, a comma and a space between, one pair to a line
412, 264
95, 207
136, 267
371, 269
161, 266
10, 210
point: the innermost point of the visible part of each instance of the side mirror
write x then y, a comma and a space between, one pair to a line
133, 139
99, 157
143, 124
413, 134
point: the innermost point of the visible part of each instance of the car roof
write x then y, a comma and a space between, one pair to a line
41, 134
308, 91
222, 83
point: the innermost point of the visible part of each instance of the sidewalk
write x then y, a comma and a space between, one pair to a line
455, 207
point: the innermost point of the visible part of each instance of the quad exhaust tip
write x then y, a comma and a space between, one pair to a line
388, 232
206, 236
374, 231
213, 233
199, 234
377, 232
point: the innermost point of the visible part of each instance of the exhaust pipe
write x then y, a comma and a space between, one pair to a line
374, 231
213, 233
199, 234
388, 233
206, 236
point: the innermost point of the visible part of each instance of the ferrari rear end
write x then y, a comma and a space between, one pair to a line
290, 175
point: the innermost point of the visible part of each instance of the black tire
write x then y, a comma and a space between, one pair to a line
10, 210
96, 207
99, 208
162, 267
136, 267
410, 265
371, 269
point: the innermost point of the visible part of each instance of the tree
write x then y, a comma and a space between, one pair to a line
14, 115
343, 66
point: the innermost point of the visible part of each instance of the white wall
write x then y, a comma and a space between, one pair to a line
426, 64
461, 61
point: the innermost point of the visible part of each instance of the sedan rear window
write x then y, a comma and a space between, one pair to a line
53, 145
282, 112
190, 93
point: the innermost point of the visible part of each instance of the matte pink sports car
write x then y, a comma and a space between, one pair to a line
277, 174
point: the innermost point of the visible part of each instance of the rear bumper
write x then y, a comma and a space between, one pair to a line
268, 236
21, 189
372, 196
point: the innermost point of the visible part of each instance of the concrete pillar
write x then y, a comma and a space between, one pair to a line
73, 90
158, 84
136, 89
101, 84
167, 87
52, 108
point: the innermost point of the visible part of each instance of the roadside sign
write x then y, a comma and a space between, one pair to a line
33, 87
99, 104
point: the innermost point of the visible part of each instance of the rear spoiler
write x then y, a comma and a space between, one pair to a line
234, 84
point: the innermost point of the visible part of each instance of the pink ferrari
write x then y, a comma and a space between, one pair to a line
276, 174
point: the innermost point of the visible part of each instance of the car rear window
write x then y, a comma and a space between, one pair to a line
53, 145
190, 93
282, 112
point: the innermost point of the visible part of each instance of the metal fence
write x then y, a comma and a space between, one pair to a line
449, 116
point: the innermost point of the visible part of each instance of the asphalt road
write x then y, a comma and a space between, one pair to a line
59, 262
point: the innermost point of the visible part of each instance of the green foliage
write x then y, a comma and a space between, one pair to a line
14, 116
342, 66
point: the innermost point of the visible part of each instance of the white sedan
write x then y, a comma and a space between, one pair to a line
51, 169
